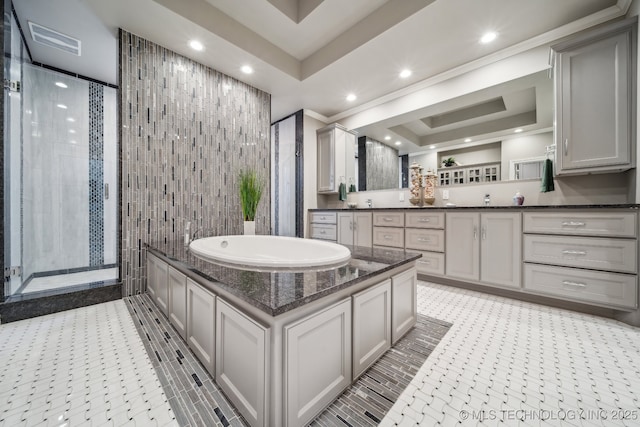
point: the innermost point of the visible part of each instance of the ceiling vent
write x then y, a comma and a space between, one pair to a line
54, 39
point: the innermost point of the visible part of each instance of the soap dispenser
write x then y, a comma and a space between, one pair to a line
487, 200
518, 199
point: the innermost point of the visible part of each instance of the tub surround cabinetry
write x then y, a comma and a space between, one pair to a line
280, 345
586, 257
157, 285
177, 287
595, 82
336, 158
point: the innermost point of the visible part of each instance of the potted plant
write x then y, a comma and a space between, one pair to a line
449, 162
251, 186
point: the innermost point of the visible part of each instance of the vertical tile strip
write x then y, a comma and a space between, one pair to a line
96, 174
187, 130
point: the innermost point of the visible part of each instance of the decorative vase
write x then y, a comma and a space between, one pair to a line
415, 184
249, 228
430, 180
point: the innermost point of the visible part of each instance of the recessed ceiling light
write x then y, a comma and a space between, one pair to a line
64, 107
398, 142
246, 69
467, 140
73, 141
518, 130
488, 37
351, 97
387, 138
405, 73
431, 147
196, 45
72, 131
62, 85
71, 119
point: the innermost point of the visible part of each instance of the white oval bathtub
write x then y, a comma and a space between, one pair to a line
269, 251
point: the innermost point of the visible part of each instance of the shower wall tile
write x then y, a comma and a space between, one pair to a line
382, 166
186, 133
96, 174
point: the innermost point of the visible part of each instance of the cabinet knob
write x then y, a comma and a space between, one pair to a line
571, 252
387, 219
576, 284
423, 239
573, 224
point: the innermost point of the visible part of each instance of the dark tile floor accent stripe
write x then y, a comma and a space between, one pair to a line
196, 400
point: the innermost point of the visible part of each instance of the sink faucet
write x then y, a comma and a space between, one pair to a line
369, 203
487, 200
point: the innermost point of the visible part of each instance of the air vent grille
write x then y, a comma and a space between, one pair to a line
54, 39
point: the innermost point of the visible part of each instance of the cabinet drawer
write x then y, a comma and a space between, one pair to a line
594, 287
388, 219
323, 217
424, 220
323, 231
424, 240
431, 263
588, 252
608, 224
388, 236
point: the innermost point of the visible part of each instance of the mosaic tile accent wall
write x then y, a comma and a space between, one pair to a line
186, 132
379, 168
96, 174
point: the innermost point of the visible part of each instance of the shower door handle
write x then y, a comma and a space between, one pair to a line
106, 191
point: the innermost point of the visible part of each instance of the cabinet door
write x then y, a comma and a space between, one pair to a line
201, 312
345, 228
178, 301
462, 247
317, 361
593, 87
326, 162
242, 358
371, 326
500, 248
363, 229
404, 303
158, 289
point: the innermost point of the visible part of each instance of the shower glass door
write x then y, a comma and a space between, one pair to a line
61, 180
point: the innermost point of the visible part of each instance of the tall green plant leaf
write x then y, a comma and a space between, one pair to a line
251, 187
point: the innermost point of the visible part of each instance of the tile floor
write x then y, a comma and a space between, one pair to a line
502, 362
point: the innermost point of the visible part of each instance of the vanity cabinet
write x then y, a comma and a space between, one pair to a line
323, 226
594, 100
588, 257
484, 247
201, 324
157, 284
336, 158
355, 228
242, 362
178, 301
317, 362
388, 229
424, 233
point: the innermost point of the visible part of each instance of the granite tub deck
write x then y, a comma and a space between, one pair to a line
283, 345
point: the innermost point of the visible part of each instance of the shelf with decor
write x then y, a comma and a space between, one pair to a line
454, 175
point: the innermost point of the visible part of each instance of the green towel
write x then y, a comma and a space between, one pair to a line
352, 188
342, 191
547, 177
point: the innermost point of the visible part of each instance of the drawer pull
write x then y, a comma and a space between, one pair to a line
388, 237
569, 252
323, 218
573, 224
427, 262
423, 239
387, 219
424, 220
323, 232
576, 284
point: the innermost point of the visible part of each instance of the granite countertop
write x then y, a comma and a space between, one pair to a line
278, 292
523, 207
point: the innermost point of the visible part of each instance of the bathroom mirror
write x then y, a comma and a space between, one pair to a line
508, 125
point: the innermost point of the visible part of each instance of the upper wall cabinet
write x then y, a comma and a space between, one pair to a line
336, 158
595, 89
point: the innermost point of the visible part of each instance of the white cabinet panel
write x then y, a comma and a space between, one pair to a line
355, 228
609, 224
317, 362
178, 301
323, 231
201, 324
431, 263
388, 236
157, 285
424, 239
462, 247
500, 248
371, 326
388, 219
336, 157
404, 304
424, 220
242, 360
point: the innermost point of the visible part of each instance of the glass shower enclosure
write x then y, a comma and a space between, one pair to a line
60, 180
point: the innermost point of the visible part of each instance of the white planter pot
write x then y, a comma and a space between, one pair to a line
249, 228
